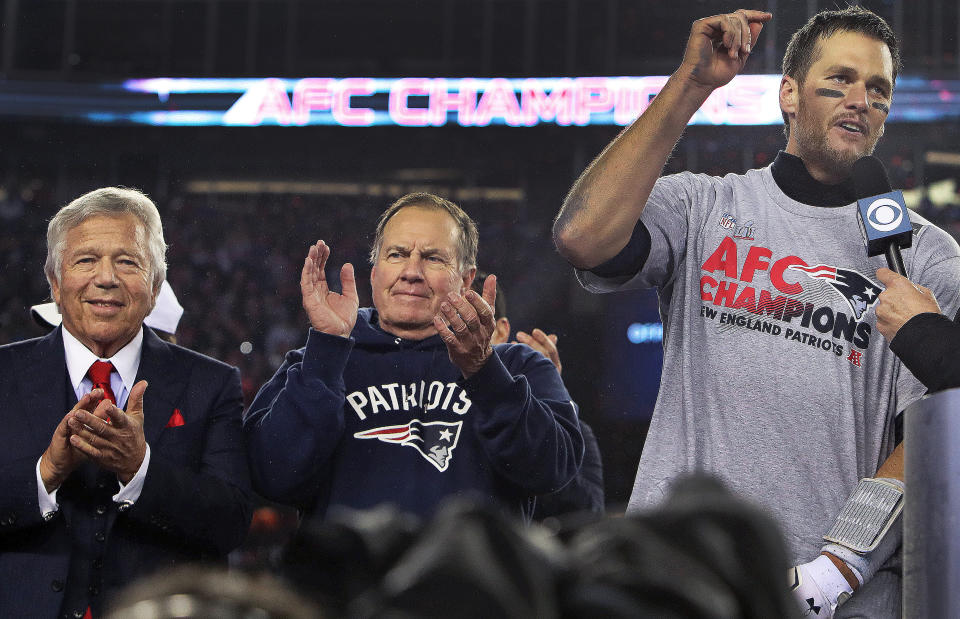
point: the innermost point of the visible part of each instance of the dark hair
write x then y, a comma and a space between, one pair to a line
500, 305
803, 48
469, 237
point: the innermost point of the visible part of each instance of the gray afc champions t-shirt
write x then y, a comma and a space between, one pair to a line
774, 376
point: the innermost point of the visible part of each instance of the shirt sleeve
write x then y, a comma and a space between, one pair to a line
927, 345
130, 492
528, 425
659, 240
288, 442
630, 259
936, 265
48, 500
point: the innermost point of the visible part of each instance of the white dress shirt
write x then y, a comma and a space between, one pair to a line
125, 362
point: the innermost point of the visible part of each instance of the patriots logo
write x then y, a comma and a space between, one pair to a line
435, 440
859, 292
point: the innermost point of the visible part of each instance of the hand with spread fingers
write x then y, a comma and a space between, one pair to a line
901, 301
466, 323
60, 459
117, 446
719, 45
329, 311
542, 343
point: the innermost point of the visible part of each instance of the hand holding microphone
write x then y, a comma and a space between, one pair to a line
901, 301
886, 227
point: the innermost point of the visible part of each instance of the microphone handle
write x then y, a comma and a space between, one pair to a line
894, 259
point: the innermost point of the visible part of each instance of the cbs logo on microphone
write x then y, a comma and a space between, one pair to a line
884, 219
885, 214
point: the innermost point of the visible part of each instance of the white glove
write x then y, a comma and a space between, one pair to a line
819, 587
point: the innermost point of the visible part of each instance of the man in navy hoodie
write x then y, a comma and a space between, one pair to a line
407, 402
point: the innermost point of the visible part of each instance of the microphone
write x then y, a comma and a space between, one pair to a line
884, 220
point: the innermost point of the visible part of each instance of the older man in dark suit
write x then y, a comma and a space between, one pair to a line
120, 454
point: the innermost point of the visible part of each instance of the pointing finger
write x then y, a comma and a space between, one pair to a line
732, 35
888, 277
745, 36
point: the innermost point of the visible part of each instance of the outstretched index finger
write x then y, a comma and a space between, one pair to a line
888, 277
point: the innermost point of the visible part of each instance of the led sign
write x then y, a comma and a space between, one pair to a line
471, 102
421, 101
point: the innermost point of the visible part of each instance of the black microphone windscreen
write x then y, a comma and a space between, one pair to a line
870, 177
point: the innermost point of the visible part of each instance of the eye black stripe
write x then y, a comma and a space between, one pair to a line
829, 92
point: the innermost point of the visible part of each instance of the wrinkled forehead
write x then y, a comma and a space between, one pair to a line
854, 50
122, 230
422, 226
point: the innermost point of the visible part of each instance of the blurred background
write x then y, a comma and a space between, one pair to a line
241, 200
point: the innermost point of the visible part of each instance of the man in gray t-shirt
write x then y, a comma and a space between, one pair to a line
775, 377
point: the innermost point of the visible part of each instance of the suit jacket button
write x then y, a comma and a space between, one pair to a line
78, 614
93, 590
100, 536
97, 563
57, 585
101, 510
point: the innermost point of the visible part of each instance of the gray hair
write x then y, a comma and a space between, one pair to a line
469, 237
111, 201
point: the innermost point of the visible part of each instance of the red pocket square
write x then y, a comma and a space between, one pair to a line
176, 419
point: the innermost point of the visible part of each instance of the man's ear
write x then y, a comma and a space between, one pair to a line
789, 96
501, 331
156, 293
54, 290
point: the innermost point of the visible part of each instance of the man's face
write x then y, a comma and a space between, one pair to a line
105, 288
416, 269
842, 105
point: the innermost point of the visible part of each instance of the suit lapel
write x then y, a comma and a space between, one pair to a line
166, 383
42, 376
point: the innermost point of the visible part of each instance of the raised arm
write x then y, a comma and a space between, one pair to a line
603, 206
295, 422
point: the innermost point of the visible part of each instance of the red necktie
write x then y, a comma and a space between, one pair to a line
99, 373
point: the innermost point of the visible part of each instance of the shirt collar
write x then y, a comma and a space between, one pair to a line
793, 178
79, 359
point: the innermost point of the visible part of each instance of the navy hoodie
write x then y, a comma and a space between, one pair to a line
375, 418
